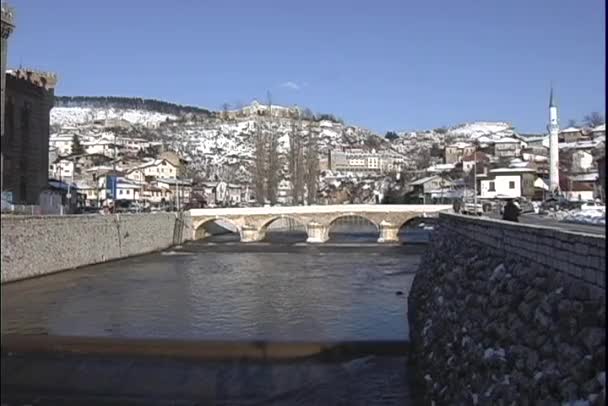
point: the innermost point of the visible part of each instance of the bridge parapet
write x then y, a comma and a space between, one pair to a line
252, 222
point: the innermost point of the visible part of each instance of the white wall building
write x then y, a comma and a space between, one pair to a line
62, 143
62, 169
158, 168
507, 183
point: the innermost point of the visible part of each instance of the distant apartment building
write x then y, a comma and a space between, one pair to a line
25, 144
360, 161
455, 152
507, 148
61, 143
156, 168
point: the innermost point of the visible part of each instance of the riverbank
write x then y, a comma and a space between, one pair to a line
40, 245
505, 313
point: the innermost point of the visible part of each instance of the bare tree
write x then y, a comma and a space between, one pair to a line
312, 165
296, 161
273, 158
225, 110
571, 123
260, 165
594, 119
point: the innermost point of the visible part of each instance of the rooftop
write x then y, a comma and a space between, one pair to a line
513, 170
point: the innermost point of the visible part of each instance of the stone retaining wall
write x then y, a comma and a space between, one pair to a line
39, 245
505, 313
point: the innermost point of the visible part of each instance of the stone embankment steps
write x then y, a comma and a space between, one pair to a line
58, 370
506, 313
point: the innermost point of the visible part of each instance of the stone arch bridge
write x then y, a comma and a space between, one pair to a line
252, 222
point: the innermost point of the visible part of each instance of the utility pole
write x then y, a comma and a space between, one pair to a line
475, 180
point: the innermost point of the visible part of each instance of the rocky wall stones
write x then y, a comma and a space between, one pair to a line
494, 322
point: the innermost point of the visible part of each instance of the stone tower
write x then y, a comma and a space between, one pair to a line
7, 26
553, 129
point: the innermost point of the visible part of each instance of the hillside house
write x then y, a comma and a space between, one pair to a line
157, 168
507, 183
599, 131
579, 187
570, 134
424, 189
601, 165
455, 152
469, 161
507, 148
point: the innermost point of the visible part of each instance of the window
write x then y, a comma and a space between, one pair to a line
120, 192
511, 185
492, 188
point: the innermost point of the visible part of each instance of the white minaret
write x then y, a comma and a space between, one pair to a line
553, 129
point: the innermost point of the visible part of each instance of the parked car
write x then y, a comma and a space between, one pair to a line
591, 205
472, 208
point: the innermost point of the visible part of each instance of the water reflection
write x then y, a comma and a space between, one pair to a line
224, 292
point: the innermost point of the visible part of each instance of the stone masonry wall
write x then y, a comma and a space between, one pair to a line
510, 314
34, 246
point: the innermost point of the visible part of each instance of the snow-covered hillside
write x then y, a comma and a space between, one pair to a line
493, 130
211, 143
73, 116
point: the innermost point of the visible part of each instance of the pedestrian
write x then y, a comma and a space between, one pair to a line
511, 211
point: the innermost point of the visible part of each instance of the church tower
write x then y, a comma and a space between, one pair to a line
553, 129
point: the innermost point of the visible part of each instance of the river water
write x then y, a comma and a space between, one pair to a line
350, 289
221, 290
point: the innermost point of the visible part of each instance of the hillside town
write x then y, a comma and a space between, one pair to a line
136, 160
68, 155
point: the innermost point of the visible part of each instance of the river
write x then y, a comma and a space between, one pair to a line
350, 289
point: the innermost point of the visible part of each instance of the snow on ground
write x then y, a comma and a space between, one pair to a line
589, 216
71, 116
481, 128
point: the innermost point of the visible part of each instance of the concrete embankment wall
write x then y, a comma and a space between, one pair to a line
506, 313
39, 245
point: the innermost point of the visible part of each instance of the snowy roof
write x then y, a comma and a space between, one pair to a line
571, 130
586, 177
507, 140
185, 182
584, 144
154, 162
424, 180
512, 170
460, 145
478, 154
441, 167
519, 164
601, 127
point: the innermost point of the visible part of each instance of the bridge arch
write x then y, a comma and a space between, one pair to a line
292, 224
415, 229
353, 223
201, 229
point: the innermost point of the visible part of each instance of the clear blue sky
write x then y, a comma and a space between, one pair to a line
382, 65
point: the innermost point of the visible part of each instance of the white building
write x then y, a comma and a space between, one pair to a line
62, 143
507, 183
62, 169
157, 168
357, 160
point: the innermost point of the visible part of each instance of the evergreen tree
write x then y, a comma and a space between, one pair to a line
77, 148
